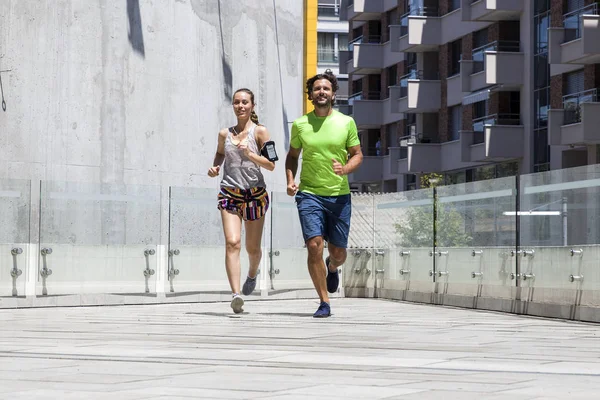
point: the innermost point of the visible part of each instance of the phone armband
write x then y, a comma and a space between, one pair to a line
269, 152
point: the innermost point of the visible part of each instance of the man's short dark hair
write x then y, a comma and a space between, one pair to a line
326, 75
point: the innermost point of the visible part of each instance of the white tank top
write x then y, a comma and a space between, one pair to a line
238, 170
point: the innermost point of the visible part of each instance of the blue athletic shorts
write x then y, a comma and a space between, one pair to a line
326, 216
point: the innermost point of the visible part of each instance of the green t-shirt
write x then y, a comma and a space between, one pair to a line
321, 139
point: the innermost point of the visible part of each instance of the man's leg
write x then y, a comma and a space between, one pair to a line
316, 267
338, 224
337, 256
313, 220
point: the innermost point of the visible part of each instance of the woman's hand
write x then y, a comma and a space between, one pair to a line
214, 171
244, 147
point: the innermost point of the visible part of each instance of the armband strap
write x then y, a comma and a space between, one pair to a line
268, 151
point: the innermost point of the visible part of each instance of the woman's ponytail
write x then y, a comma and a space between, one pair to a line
254, 117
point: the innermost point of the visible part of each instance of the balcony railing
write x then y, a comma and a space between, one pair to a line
327, 56
415, 74
493, 119
511, 46
328, 10
572, 104
371, 95
371, 39
418, 11
573, 23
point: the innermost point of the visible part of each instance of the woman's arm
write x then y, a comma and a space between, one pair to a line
219, 155
262, 136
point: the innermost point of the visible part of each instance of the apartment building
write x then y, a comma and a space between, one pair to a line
471, 89
332, 38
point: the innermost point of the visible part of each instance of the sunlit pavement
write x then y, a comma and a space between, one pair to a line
368, 349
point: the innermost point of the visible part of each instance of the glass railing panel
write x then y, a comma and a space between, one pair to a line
479, 128
98, 238
573, 21
327, 56
403, 237
15, 214
328, 11
572, 104
560, 228
414, 74
196, 254
416, 11
358, 269
476, 237
287, 257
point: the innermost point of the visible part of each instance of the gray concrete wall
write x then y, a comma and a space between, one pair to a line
135, 91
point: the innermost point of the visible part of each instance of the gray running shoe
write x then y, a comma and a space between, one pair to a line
249, 286
237, 304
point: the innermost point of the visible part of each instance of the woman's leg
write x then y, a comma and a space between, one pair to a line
232, 228
254, 232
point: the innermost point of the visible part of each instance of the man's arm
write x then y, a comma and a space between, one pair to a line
356, 157
291, 167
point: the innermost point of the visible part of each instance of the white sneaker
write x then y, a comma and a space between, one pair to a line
237, 304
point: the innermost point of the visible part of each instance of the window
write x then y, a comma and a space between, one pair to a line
454, 122
392, 78
540, 148
480, 109
411, 62
542, 71
453, 5
480, 38
541, 6
541, 25
573, 82
453, 178
342, 41
326, 51
411, 182
455, 56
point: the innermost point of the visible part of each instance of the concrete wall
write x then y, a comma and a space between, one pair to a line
135, 91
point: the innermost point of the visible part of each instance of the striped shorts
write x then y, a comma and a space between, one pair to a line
250, 204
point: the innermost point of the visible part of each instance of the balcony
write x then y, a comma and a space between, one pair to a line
370, 170
345, 56
497, 63
418, 31
418, 93
370, 56
370, 110
492, 10
577, 122
494, 138
366, 10
578, 42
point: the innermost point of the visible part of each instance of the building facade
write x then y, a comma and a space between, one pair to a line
471, 89
332, 39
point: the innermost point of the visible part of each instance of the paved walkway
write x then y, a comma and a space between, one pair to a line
369, 349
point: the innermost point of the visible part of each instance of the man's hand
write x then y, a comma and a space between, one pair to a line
292, 188
338, 168
214, 171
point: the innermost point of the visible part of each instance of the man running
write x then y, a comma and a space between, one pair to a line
331, 148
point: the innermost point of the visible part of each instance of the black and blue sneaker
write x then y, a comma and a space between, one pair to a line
333, 278
323, 311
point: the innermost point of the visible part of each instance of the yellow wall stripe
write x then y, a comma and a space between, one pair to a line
310, 46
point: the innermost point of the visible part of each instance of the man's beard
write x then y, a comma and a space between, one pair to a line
327, 104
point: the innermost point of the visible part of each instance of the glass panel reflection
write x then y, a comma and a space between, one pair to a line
15, 200
287, 256
476, 237
98, 238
